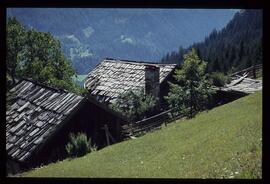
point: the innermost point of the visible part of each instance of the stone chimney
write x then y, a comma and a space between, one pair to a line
152, 80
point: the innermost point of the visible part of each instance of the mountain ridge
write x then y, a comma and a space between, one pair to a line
88, 35
237, 46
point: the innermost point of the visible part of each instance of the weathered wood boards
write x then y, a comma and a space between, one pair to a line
36, 112
147, 124
108, 135
251, 72
244, 81
243, 85
113, 77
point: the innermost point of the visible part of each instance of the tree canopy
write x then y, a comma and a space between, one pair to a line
37, 56
192, 92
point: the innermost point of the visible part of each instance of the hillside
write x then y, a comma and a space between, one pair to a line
237, 46
225, 142
87, 35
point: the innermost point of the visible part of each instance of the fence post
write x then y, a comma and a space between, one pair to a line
106, 132
165, 122
131, 128
254, 72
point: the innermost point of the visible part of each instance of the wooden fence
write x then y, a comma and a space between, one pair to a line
148, 124
252, 72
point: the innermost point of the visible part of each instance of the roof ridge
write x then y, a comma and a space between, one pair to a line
61, 90
136, 62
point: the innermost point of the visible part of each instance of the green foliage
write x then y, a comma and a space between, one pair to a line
8, 81
134, 105
38, 56
192, 91
219, 79
79, 145
16, 39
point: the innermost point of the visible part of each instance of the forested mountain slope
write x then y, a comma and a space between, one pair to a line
237, 46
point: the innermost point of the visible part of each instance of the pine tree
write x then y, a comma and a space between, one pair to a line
192, 92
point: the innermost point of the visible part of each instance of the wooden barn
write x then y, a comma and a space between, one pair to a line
40, 119
113, 77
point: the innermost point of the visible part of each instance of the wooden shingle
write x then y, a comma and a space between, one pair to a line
33, 116
112, 77
243, 85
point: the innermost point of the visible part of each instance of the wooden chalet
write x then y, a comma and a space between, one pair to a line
113, 77
40, 119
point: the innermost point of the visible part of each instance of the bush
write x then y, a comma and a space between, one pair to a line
79, 145
219, 79
135, 105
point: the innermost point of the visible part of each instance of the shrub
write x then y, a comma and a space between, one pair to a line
135, 105
79, 145
219, 79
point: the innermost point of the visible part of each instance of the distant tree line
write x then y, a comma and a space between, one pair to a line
38, 56
235, 47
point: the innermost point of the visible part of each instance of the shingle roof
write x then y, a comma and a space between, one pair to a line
36, 113
243, 85
112, 77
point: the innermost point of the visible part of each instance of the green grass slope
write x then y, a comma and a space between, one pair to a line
224, 142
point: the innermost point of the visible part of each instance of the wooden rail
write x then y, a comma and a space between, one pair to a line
252, 72
148, 124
